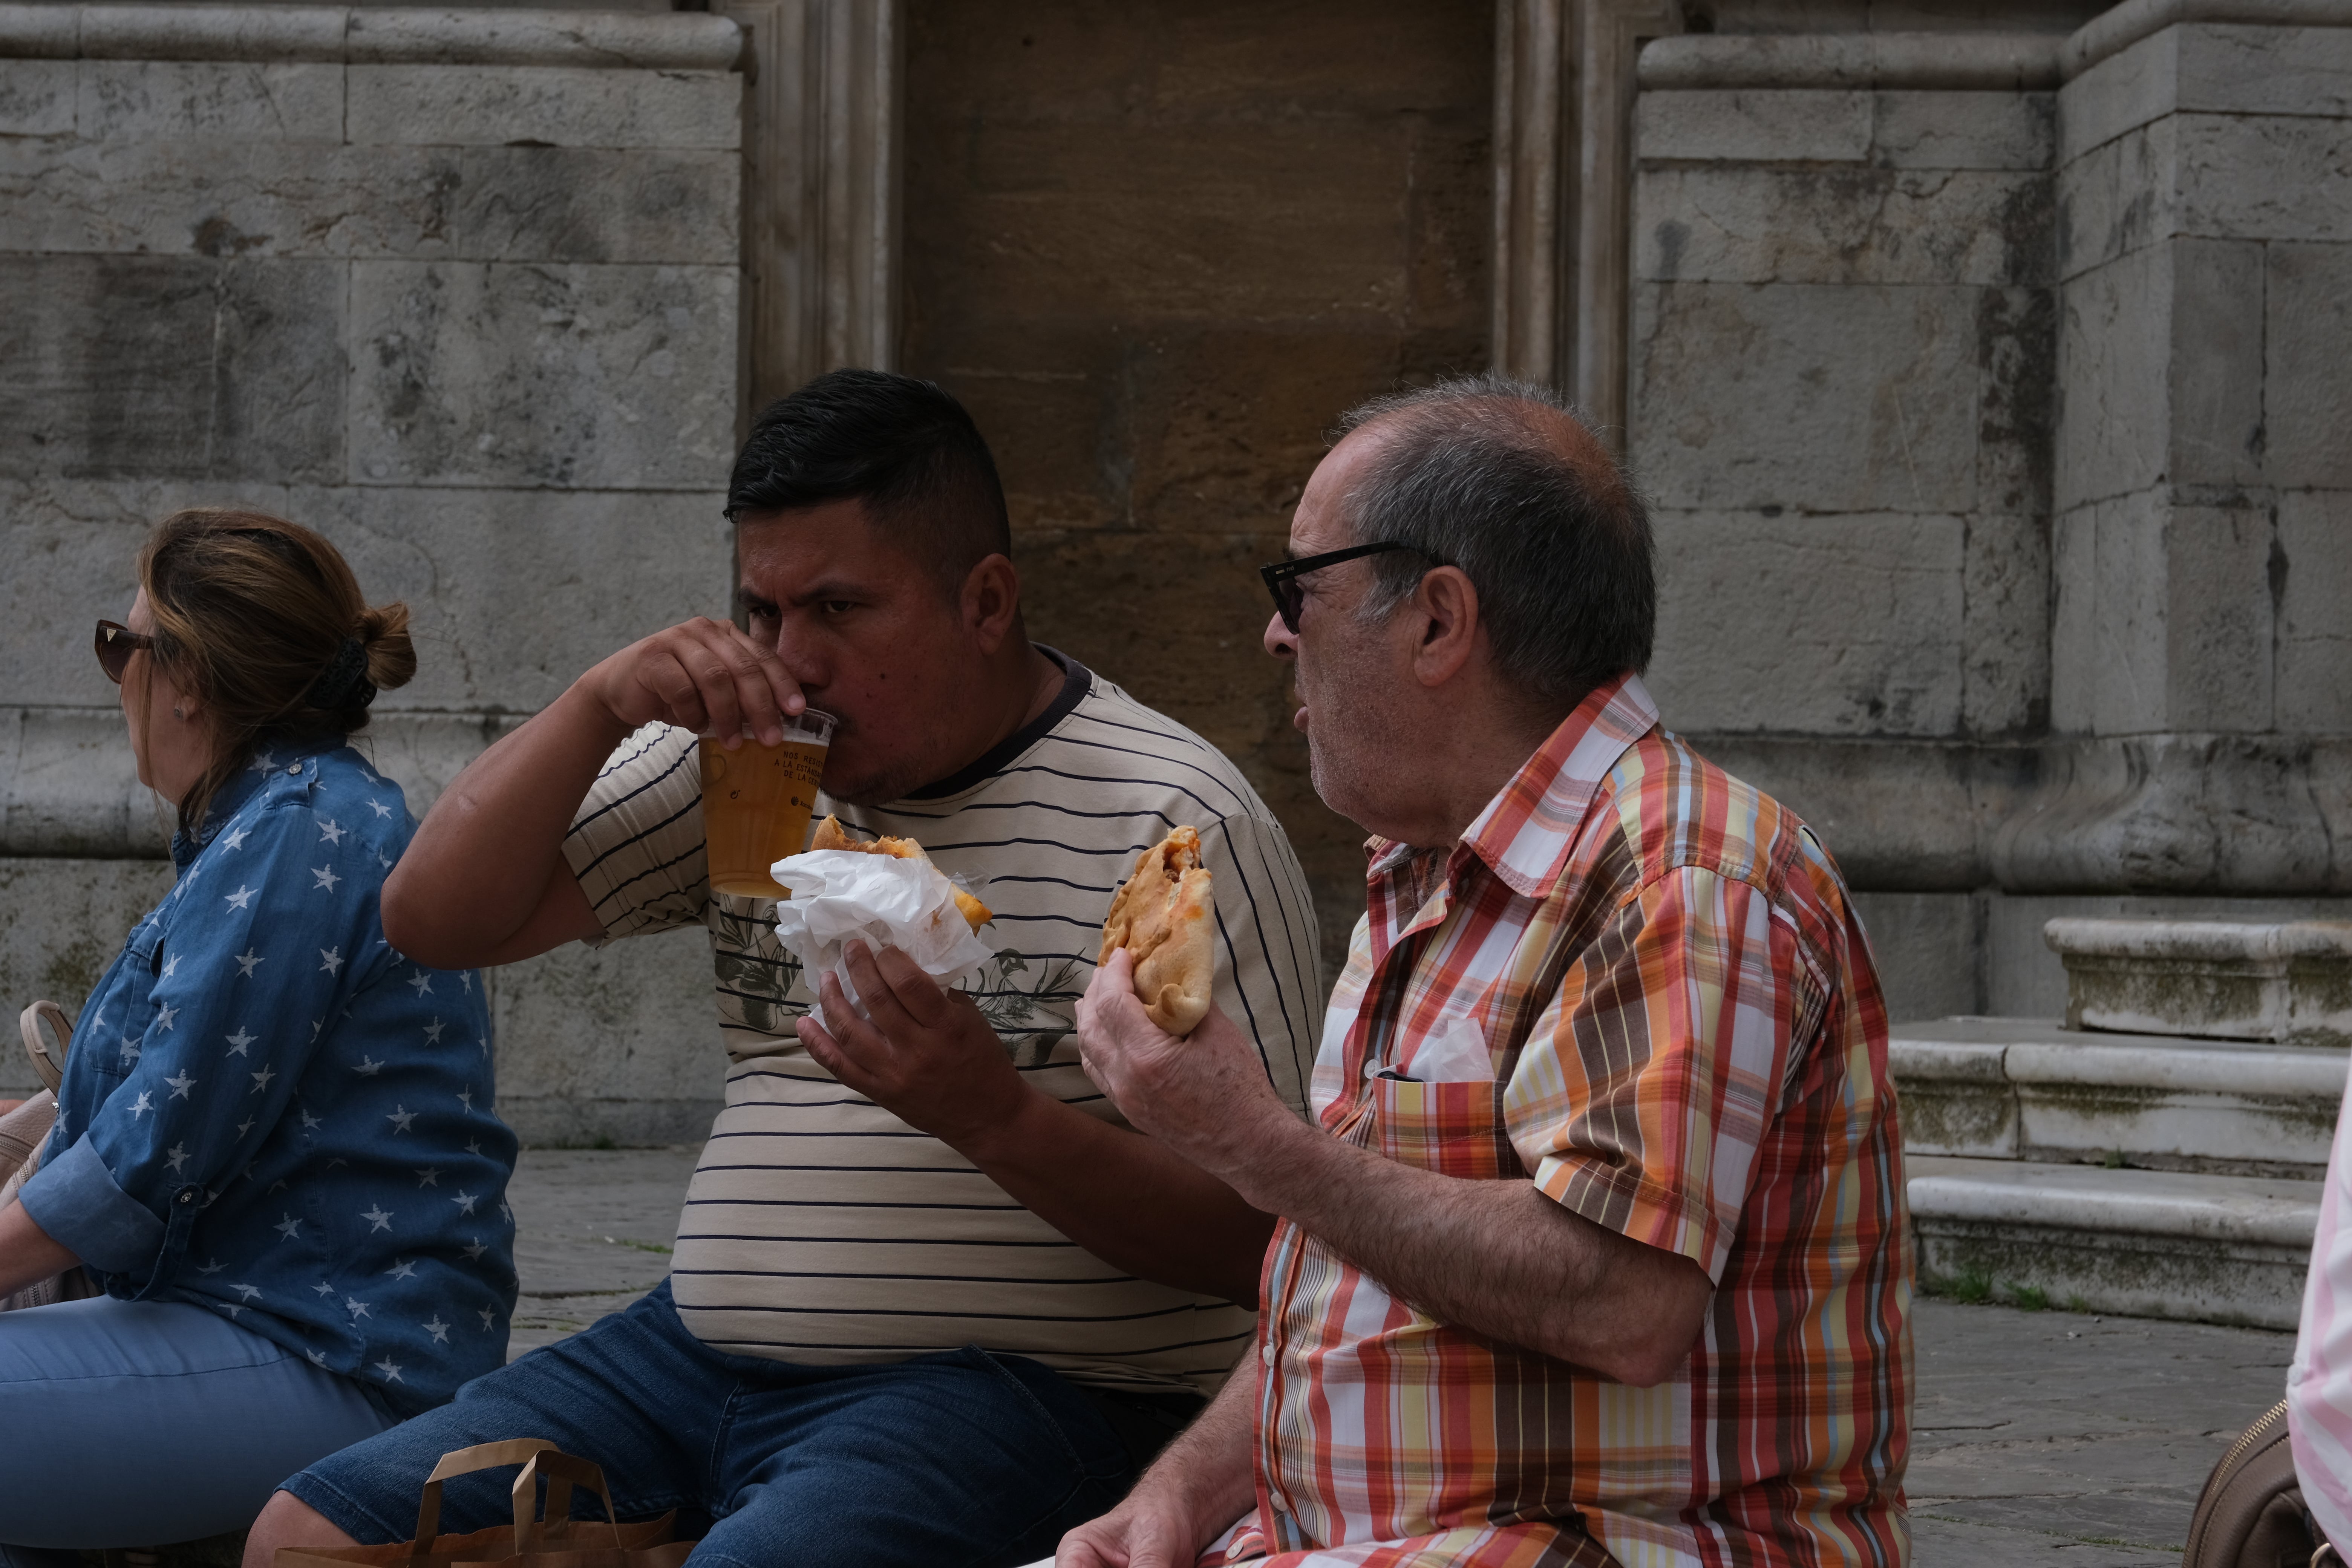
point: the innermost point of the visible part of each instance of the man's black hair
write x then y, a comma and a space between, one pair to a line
903, 448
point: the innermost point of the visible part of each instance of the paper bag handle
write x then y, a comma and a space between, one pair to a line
51, 1066
464, 1461
562, 1471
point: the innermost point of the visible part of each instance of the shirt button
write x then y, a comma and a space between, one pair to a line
293, 767
1266, 1352
187, 1197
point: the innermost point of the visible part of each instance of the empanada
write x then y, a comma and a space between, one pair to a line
830, 835
1166, 916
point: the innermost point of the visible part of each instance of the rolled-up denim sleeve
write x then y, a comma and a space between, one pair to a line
78, 1204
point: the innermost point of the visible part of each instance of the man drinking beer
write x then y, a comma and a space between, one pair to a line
932, 1300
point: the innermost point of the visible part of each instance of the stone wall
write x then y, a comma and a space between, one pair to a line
1158, 249
1995, 427
459, 291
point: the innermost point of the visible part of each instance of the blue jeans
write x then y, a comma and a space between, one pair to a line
140, 1423
963, 1459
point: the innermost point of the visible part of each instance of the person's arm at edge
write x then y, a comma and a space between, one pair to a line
27, 1253
1498, 1258
484, 881
1202, 1484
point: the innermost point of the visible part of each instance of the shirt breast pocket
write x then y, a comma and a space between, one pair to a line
1455, 1129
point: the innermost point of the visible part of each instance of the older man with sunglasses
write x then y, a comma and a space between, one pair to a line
1597, 1249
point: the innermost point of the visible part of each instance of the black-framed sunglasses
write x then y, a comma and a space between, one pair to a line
1282, 577
115, 643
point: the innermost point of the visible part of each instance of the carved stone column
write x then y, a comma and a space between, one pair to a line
1563, 191
822, 153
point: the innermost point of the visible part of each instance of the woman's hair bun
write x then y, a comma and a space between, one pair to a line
390, 653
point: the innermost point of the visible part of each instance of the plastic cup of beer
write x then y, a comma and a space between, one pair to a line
756, 802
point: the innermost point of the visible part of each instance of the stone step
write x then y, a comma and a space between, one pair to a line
2155, 1243
2289, 982
2020, 1089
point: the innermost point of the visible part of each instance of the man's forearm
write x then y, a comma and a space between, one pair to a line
1495, 1257
1131, 1202
480, 863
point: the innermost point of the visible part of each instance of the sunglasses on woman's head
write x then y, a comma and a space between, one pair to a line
1282, 577
115, 644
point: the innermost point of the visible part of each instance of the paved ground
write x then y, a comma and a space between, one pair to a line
2040, 1439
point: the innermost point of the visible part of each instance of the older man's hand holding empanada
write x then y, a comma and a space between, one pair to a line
1166, 916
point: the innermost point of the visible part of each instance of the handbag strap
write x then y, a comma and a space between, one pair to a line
51, 1066
561, 1471
464, 1461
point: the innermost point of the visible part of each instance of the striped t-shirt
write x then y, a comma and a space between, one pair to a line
819, 1227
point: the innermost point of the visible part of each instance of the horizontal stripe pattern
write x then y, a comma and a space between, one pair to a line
820, 1228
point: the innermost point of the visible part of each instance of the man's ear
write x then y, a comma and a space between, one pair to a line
990, 604
1445, 606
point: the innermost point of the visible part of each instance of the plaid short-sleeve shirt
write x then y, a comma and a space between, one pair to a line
1638, 982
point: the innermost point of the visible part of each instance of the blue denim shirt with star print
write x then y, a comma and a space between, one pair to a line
270, 1113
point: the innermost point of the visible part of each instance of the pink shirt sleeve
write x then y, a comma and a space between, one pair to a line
2319, 1381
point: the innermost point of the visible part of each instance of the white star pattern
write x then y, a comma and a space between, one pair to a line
261, 1079
163, 1016
247, 1291
215, 1267
402, 1269
310, 1122
330, 832
171, 967
377, 1218
176, 1157
385, 861
465, 1201
238, 1041
131, 1048
381, 809
330, 959
243, 1128
489, 1316
438, 1330
432, 1032
389, 1367
369, 1066
318, 1358
263, 764
400, 1117
142, 1106
422, 982
466, 1099
429, 1177
181, 1085
473, 1145
233, 1310
245, 962
288, 1227
326, 878
466, 979
358, 1309
474, 1252
324, 1287
242, 897
316, 1025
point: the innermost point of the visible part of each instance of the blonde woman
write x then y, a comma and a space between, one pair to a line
274, 1148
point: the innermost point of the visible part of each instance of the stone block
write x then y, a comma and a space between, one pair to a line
1924, 947
2208, 68
2025, 979
2265, 177
2311, 565
2219, 619
2114, 365
2120, 196
2005, 625
1788, 125
619, 1043
576, 376
1822, 397
2307, 393
2215, 378
61, 923
1828, 626
36, 98
69, 786
1963, 129
181, 100
2287, 982
132, 366
261, 198
2016, 372
1845, 223
2127, 89
551, 106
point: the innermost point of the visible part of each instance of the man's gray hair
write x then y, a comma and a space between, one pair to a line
1506, 481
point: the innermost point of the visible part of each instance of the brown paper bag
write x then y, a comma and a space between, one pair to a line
556, 1542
